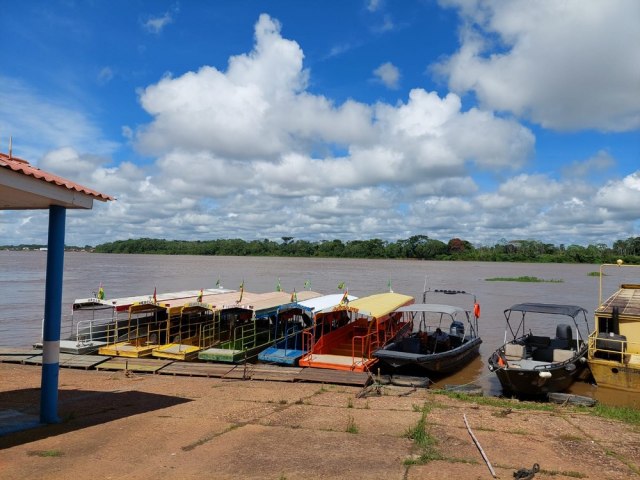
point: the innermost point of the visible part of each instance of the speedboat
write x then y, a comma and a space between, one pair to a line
532, 365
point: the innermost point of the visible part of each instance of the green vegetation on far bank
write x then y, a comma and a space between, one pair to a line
419, 247
522, 279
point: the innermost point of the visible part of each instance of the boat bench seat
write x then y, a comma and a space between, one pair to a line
513, 351
560, 355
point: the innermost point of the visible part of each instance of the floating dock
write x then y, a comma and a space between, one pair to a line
248, 371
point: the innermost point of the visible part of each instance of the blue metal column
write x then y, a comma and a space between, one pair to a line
52, 316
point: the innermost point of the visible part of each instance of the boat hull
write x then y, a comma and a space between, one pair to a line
440, 363
541, 379
615, 375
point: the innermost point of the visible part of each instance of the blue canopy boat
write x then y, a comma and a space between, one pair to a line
301, 319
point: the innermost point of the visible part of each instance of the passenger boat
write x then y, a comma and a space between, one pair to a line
442, 338
200, 323
259, 328
92, 317
303, 318
348, 338
154, 325
139, 335
534, 365
614, 345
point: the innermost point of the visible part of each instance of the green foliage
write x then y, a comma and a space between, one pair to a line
416, 247
521, 279
423, 440
628, 415
351, 425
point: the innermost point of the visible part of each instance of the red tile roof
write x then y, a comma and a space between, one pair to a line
22, 166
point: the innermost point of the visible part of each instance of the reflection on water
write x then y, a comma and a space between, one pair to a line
22, 278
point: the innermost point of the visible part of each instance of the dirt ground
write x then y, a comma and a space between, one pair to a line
144, 426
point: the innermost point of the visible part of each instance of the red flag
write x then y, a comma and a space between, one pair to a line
155, 297
345, 298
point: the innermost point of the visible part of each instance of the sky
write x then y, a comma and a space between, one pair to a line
334, 119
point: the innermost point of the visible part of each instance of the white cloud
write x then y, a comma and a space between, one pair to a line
156, 24
598, 163
388, 74
566, 65
373, 5
105, 75
621, 197
38, 123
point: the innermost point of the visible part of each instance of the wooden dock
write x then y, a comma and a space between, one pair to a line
136, 365
17, 355
340, 377
250, 371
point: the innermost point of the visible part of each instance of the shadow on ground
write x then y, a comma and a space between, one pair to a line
76, 408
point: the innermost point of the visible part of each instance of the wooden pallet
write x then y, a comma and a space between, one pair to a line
339, 377
145, 365
274, 373
193, 369
17, 355
70, 360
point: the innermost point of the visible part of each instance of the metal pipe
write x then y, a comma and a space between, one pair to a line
52, 316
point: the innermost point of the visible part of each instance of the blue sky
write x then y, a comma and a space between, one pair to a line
334, 119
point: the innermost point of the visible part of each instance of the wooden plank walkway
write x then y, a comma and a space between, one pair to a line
70, 360
146, 365
17, 355
193, 369
340, 377
252, 371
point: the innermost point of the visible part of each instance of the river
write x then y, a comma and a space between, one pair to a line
22, 279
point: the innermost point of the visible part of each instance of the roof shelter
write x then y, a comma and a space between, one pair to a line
25, 187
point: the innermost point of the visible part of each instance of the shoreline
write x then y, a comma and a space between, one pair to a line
141, 426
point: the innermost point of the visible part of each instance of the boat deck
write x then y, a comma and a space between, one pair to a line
127, 349
76, 348
336, 362
281, 356
176, 351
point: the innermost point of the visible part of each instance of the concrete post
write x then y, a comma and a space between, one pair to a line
52, 316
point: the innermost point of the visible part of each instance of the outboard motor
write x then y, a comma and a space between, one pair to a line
564, 335
457, 329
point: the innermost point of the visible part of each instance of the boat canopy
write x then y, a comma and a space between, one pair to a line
626, 300
570, 310
432, 308
147, 306
380, 304
324, 302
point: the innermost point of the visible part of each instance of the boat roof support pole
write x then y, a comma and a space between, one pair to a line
52, 316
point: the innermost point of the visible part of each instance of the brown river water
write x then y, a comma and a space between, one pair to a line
22, 280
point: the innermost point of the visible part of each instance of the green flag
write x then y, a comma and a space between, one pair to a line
307, 284
341, 286
278, 286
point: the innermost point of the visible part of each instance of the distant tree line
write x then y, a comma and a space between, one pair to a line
416, 247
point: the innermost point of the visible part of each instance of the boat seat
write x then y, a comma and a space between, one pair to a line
411, 345
513, 351
538, 341
560, 355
